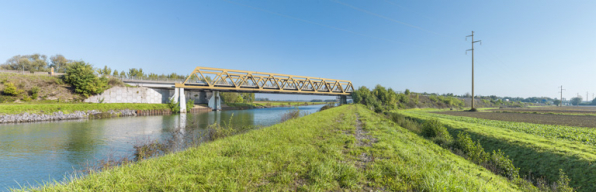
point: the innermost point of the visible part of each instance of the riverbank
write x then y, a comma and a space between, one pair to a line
343, 148
16, 113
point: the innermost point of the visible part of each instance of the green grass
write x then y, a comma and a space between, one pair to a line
318, 152
532, 147
71, 107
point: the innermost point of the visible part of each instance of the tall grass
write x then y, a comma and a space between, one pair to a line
72, 107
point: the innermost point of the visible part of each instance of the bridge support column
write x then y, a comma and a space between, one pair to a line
343, 100
182, 100
215, 101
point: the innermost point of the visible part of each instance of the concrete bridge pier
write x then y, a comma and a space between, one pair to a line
343, 100
182, 100
215, 101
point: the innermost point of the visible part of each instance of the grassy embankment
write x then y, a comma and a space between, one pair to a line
71, 107
329, 150
539, 150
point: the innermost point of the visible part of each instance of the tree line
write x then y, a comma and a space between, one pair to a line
41, 63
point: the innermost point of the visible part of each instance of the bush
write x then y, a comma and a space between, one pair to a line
189, 105
173, 105
10, 89
293, 114
472, 149
436, 131
81, 75
26, 98
34, 92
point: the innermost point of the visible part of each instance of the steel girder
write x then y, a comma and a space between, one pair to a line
259, 82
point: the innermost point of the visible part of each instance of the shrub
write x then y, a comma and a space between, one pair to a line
472, 149
26, 98
34, 92
504, 166
80, 75
293, 114
10, 89
173, 105
189, 105
436, 131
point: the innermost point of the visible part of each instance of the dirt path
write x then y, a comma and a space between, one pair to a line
362, 139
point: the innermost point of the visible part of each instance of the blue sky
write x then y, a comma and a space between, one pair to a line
529, 48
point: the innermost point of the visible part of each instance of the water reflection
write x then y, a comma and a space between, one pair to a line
31, 153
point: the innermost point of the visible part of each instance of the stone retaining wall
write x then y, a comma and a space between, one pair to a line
132, 95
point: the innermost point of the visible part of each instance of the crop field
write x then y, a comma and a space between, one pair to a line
552, 119
537, 149
588, 110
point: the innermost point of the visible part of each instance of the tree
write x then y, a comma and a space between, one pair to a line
35, 62
594, 102
407, 92
557, 102
59, 62
115, 74
122, 74
576, 100
106, 70
81, 75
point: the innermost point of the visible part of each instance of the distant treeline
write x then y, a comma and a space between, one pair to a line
40, 63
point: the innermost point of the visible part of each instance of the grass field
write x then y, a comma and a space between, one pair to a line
552, 119
552, 110
346, 148
539, 150
71, 107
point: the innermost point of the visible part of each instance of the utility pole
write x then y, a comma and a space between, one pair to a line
560, 105
472, 109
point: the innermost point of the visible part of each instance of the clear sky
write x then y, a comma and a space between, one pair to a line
529, 47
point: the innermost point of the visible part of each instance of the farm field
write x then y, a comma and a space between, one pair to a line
552, 119
566, 110
537, 149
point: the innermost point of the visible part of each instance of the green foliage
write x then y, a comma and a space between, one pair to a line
10, 89
190, 104
26, 98
239, 99
49, 108
436, 131
407, 92
472, 149
174, 106
34, 62
576, 100
80, 75
34, 92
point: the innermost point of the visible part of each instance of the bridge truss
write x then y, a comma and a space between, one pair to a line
259, 82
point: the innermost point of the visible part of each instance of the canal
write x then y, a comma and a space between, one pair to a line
33, 153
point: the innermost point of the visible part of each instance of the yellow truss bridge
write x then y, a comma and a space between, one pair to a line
216, 79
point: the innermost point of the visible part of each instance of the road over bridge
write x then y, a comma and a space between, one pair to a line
210, 81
